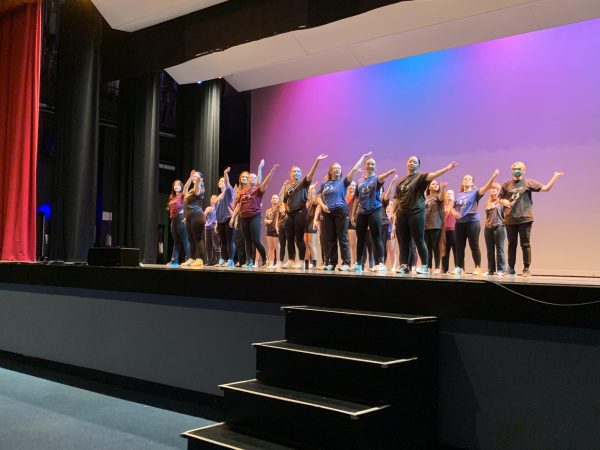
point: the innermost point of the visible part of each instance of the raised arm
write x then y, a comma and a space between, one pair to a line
383, 176
186, 187
265, 184
226, 177
356, 167
549, 184
442, 193
259, 171
483, 189
313, 169
438, 173
388, 191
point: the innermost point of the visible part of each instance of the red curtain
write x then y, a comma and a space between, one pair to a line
20, 50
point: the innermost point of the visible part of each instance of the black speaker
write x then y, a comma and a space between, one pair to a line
114, 256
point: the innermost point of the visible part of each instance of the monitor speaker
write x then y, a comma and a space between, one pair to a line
114, 256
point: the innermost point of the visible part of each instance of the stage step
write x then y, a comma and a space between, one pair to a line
315, 369
376, 333
222, 436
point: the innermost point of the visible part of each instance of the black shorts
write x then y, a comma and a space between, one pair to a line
310, 228
272, 233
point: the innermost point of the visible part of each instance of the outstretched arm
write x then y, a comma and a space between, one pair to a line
388, 191
483, 189
226, 177
188, 183
383, 176
356, 167
438, 173
259, 171
442, 193
264, 184
549, 184
310, 174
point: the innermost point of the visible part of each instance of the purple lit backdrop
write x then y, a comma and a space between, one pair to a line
533, 97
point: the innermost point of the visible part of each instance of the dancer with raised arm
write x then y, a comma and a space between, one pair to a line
310, 234
448, 239
434, 216
468, 226
410, 212
495, 232
385, 219
194, 218
178, 231
332, 200
516, 195
368, 208
271, 231
224, 209
295, 196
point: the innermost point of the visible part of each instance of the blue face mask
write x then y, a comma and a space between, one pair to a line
517, 172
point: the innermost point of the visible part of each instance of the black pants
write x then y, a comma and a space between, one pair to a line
411, 226
334, 228
432, 241
494, 242
195, 230
227, 239
468, 231
450, 245
251, 230
180, 238
384, 238
372, 222
521, 231
240, 245
282, 242
295, 225
213, 248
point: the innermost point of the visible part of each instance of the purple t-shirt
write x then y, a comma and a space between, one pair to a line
250, 202
334, 193
368, 193
224, 206
466, 204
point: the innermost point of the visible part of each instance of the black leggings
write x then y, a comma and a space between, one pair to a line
372, 221
468, 231
450, 245
227, 238
411, 226
282, 242
385, 236
195, 230
432, 241
180, 238
251, 230
240, 245
295, 225
334, 228
523, 232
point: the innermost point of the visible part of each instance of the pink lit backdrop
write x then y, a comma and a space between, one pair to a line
533, 97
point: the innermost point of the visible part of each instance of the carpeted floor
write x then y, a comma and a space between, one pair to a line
36, 413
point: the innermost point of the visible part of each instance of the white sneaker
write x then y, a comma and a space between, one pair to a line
422, 270
477, 271
458, 271
278, 265
436, 271
188, 262
413, 269
298, 265
344, 268
488, 274
381, 268
499, 273
288, 265
311, 266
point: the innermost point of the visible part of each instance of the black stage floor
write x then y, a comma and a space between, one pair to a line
544, 300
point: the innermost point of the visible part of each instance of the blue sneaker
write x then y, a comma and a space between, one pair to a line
173, 264
358, 268
230, 263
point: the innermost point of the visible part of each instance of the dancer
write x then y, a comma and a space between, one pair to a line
516, 195
194, 218
280, 228
271, 230
210, 235
448, 240
434, 216
385, 220
310, 234
296, 194
368, 208
391, 241
180, 238
249, 210
224, 209
332, 201
410, 212
468, 226
350, 198
494, 232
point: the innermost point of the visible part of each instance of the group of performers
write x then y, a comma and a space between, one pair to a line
354, 217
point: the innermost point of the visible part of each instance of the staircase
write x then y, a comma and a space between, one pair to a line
341, 379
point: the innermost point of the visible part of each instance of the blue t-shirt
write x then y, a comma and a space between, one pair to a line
369, 195
224, 206
466, 204
334, 193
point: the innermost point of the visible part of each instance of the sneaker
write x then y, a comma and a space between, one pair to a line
221, 262
248, 265
499, 273
298, 265
344, 268
477, 271
266, 265
436, 271
413, 270
403, 269
288, 265
381, 268
278, 265
173, 264
230, 263
423, 270
458, 271
255, 266
511, 271
358, 268
322, 267
489, 274
526, 272
329, 267
188, 262
311, 266
198, 263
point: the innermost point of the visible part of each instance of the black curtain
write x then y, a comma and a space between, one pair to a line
73, 219
135, 212
198, 130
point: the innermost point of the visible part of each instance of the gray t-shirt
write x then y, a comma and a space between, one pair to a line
434, 210
410, 193
518, 193
494, 216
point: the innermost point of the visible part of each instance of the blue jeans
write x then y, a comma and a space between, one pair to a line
494, 242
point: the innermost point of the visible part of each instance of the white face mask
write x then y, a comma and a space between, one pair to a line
177, 188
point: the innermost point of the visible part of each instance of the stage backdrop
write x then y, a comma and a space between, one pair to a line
533, 97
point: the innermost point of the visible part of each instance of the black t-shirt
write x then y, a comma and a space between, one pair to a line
434, 210
518, 193
410, 193
192, 204
295, 196
384, 217
270, 214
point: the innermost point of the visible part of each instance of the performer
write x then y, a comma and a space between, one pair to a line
410, 212
391, 241
494, 232
296, 194
448, 240
194, 218
516, 195
224, 209
468, 226
350, 198
310, 234
434, 216
180, 238
368, 207
210, 235
280, 228
385, 219
334, 227
249, 210
271, 231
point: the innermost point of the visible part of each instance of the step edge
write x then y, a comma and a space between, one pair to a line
353, 313
187, 434
353, 415
383, 364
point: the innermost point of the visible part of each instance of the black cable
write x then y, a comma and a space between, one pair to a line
593, 302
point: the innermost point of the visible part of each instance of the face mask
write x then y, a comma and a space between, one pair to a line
517, 172
177, 188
